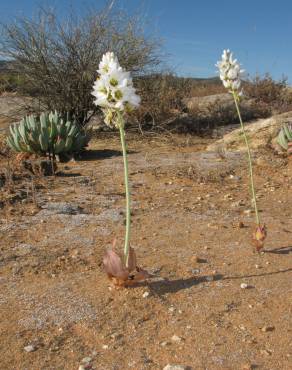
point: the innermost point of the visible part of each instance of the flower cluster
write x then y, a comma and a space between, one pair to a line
230, 72
113, 89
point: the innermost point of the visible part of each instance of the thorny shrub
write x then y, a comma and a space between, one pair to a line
276, 96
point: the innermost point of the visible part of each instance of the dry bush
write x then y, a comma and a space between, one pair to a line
17, 183
273, 95
58, 57
162, 99
206, 87
164, 107
10, 82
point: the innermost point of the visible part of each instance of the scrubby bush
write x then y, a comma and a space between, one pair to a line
162, 98
274, 95
164, 105
59, 57
206, 87
10, 82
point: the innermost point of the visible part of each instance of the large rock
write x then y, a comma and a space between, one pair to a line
261, 133
63, 208
201, 102
220, 107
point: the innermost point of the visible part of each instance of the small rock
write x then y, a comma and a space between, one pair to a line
194, 259
116, 336
174, 367
29, 348
235, 204
54, 349
266, 352
145, 294
85, 367
105, 346
176, 338
86, 360
155, 270
267, 328
244, 286
247, 367
210, 278
171, 309
195, 271
164, 343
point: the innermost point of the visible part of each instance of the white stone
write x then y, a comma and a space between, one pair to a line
174, 367
29, 348
176, 338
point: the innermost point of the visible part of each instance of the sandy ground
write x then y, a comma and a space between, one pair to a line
57, 308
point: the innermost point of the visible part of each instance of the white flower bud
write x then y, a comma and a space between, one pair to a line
230, 72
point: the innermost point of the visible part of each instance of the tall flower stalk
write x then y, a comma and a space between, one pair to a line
230, 75
128, 196
114, 93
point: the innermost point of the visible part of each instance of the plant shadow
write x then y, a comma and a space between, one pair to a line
165, 286
99, 154
282, 250
257, 275
64, 174
162, 287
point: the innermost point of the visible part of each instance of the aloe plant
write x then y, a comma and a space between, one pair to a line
284, 138
49, 134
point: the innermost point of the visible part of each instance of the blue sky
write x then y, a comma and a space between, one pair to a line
195, 31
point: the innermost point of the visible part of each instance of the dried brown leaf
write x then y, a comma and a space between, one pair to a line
259, 237
114, 266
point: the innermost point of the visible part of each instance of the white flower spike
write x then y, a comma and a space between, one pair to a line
113, 89
230, 72
115, 94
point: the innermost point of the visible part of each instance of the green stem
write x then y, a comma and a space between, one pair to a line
249, 159
128, 200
